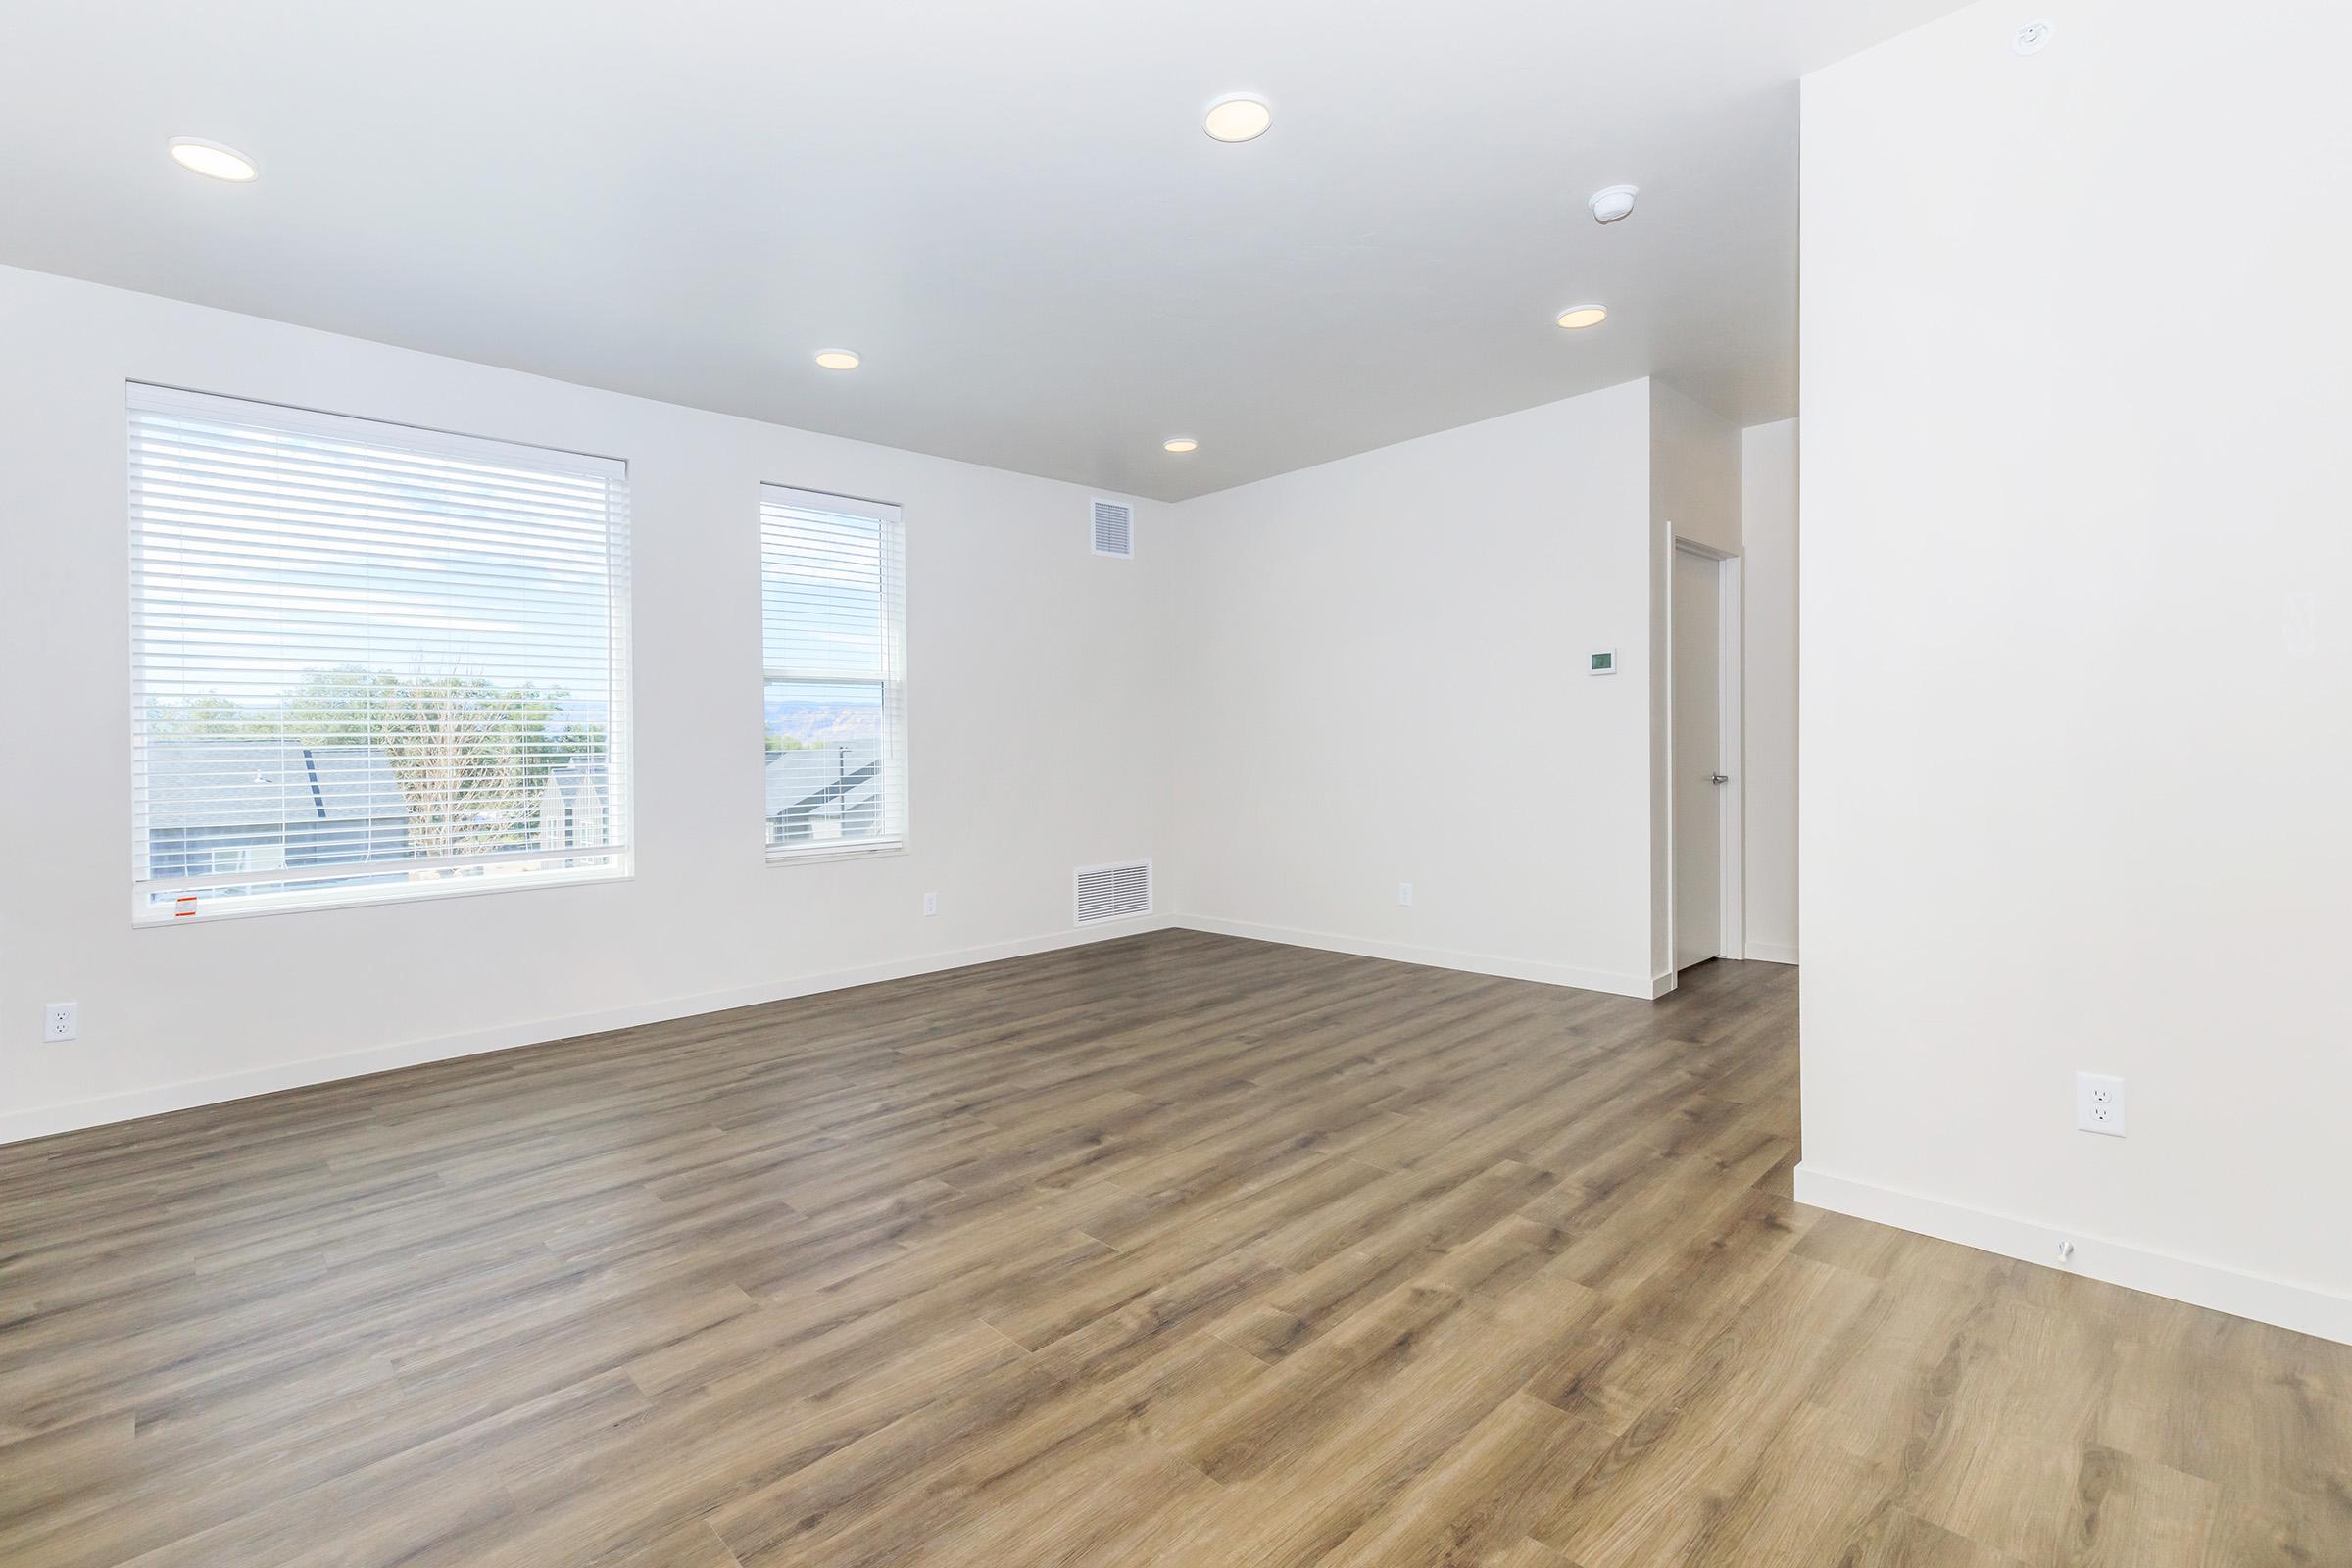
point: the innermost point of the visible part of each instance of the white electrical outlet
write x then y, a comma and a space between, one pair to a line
930, 904
2099, 1104
1405, 893
61, 1020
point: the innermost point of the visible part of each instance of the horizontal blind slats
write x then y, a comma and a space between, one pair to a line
368, 660
833, 632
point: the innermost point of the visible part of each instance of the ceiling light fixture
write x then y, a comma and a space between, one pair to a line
1180, 443
1577, 317
1613, 203
1238, 118
212, 161
838, 360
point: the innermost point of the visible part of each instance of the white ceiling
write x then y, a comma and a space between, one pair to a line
1008, 208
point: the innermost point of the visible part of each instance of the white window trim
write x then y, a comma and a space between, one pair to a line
268, 906
615, 862
897, 724
815, 853
161, 399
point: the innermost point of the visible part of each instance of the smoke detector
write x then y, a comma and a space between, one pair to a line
1614, 203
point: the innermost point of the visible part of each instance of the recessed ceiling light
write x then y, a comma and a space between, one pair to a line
213, 161
1581, 316
1180, 443
1238, 118
838, 360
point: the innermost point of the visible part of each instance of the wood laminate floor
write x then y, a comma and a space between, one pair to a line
1174, 1251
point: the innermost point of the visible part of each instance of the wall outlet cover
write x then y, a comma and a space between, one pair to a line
61, 1020
2099, 1104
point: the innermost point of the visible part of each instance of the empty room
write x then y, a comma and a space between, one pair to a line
1281, 785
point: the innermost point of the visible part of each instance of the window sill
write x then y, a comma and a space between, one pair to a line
854, 851
258, 906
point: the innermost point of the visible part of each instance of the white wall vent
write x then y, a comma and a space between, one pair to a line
1113, 892
1114, 528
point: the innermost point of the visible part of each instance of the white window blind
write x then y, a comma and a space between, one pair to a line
833, 621
368, 661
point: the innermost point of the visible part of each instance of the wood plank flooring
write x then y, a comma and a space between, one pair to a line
1177, 1249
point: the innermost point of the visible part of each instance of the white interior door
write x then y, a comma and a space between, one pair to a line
1696, 746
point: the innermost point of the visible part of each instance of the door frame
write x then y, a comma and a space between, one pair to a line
1731, 799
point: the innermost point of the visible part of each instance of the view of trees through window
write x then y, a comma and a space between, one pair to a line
368, 658
472, 758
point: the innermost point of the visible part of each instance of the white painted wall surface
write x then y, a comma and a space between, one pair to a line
1386, 683
1023, 645
1695, 495
1335, 681
2078, 641
1769, 554
1694, 469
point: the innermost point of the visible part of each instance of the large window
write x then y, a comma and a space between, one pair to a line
833, 620
368, 661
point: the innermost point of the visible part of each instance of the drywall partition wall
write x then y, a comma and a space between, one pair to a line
1034, 690
1768, 574
2077, 643
1695, 495
1384, 683
1693, 471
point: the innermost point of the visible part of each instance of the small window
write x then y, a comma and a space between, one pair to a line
833, 623
368, 661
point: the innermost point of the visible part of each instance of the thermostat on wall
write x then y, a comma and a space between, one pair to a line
1604, 662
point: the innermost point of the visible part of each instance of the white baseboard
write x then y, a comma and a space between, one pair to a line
43, 1121
1550, 974
2301, 1308
1770, 952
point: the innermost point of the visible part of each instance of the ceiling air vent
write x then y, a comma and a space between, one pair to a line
1113, 892
1114, 528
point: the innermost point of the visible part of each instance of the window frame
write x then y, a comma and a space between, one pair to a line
891, 678
617, 860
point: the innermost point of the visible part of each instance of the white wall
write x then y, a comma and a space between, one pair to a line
1767, 563
1022, 644
1693, 495
2077, 642
1298, 694
1386, 684
1693, 471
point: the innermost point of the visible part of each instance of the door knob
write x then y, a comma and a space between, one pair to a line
1719, 778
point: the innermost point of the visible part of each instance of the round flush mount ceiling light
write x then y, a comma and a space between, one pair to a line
212, 161
1576, 316
838, 360
1238, 118
1180, 443
1613, 202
